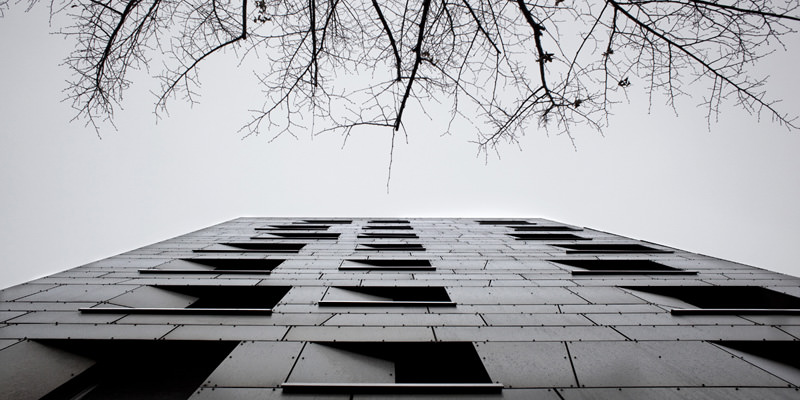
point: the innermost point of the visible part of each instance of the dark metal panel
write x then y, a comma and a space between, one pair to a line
272, 319
535, 319
67, 293
360, 334
665, 318
63, 317
527, 333
19, 291
703, 332
84, 331
259, 394
256, 364
684, 363
527, 364
226, 332
679, 393
606, 295
510, 295
30, 370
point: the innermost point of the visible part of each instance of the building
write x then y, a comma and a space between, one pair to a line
300, 308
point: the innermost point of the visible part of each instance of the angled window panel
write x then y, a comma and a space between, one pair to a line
252, 247
777, 357
391, 368
541, 228
388, 236
388, 221
295, 227
622, 267
136, 369
387, 264
715, 300
326, 221
216, 266
226, 300
383, 296
388, 227
390, 247
504, 222
298, 235
609, 248
547, 236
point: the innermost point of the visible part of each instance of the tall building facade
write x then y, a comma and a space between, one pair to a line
367, 308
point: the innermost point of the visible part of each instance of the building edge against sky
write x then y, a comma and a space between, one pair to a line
359, 308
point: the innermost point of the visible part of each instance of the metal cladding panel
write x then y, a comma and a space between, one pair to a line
684, 363
679, 393
536, 319
227, 332
256, 364
360, 334
30, 370
70, 293
85, 331
258, 394
703, 332
527, 364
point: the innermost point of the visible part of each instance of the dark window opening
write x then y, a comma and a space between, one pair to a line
547, 236
326, 221
387, 264
386, 296
503, 222
138, 369
297, 227
255, 247
545, 228
298, 235
216, 266
784, 352
606, 248
389, 227
420, 367
727, 299
388, 236
390, 247
388, 221
621, 267
211, 300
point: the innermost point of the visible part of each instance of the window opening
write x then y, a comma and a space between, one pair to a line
216, 266
379, 367
621, 267
298, 235
231, 300
297, 227
139, 369
540, 228
388, 221
547, 236
326, 221
726, 299
253, 247
388, 236
504, 222
388, 227
608, 248
387, 264
390, 247
386, 296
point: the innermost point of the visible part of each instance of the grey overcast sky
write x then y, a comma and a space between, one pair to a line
68, 198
